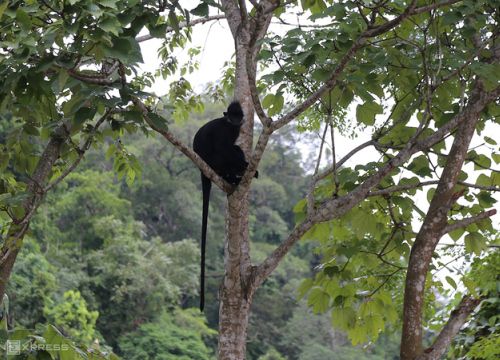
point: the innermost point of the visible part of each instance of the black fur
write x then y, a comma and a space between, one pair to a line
215, 144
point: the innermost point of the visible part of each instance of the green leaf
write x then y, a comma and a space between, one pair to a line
3, 6
374, 325
420, 166
319, 300
24, 19
344, 317
475, 243
274, 103
357, 335
158, 121
95, 10
490, 140
73, 104
173, 21
483, 180
31, 130
108, 3
200, 10
84, 113
365, 113
321, 74
268, 101
456, 234
126, 49
111, 24
452, 282
481, 162
304, 287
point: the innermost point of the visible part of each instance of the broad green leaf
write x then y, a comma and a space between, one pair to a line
84, 113
319, 300
481, 162
357, 335
173, 21
108, 3
344, 317
201, 10
365, 113
490, 140
158, 121
24, 19
111, 24
456, 234
420, 166
304, 287
475, 243
126, 49
374, 325
483, 180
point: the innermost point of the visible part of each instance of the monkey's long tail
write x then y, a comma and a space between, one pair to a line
206, 186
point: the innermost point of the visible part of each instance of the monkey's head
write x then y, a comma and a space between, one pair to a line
234, 113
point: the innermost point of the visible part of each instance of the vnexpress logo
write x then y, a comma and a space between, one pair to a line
13, 347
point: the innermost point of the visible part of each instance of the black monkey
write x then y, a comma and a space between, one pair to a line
215, 144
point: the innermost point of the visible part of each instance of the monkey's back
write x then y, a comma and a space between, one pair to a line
215, 135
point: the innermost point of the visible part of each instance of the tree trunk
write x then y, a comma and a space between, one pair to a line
236, 291
433, 228
235, 295
35, 190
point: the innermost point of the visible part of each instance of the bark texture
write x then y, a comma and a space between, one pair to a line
35, 191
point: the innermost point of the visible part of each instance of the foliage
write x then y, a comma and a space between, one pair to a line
480, 339
129, 278
72, 315
171, 336
386, 89
48, 343
61, 69
271, 354
31, 287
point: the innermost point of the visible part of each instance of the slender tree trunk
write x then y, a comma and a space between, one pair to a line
433, 228
35, 190
235, 295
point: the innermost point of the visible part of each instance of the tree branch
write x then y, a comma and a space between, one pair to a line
342, 161
398, 188
431, 232
13, 240
81, 153
358, 43
467, 221
184, 24
336, 207
434, 6
457, 319
332, 81
204, 167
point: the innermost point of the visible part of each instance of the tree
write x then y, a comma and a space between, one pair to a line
176, 336
73, 316
421, 76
